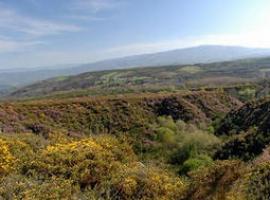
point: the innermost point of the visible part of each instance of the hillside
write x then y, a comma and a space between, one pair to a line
189, 56
252, 114
136, 146
113, 114
153, 78
249, 130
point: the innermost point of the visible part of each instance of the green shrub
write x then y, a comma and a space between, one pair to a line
193, 144
165, 135
195, 163
167, 122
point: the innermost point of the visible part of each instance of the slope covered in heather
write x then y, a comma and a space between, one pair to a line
148, 146
112, 114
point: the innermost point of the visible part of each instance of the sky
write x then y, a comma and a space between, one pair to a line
36, 33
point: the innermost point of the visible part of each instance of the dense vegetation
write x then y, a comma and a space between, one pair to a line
160, 142
151, 146
175, 163
249, 128
112, 114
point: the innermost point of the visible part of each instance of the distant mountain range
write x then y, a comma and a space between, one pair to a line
193, 55
201, 54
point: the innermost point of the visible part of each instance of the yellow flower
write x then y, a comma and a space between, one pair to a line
129, 186
6, 158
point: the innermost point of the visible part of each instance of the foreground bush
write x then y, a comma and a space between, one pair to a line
89, 162
101, 168
214, 182
17, 186
141, 182
7, 160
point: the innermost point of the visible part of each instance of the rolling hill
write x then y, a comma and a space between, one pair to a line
202, 54
152, 78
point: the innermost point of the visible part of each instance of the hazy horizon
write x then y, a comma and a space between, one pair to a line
37, 33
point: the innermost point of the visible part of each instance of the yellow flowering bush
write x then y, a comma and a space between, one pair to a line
15, 187
101, 167
54, 188
7, 160
89, 162
142, 182
23, 147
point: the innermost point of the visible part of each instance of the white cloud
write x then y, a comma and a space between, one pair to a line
91, 10
8, 45
85, 17
94, 5
12, 21
21, 32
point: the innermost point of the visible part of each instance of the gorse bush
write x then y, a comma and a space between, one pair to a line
100, 167
7, 160
20, 187
142, 182
89, 162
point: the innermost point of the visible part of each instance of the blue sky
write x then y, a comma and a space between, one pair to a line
52, 32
